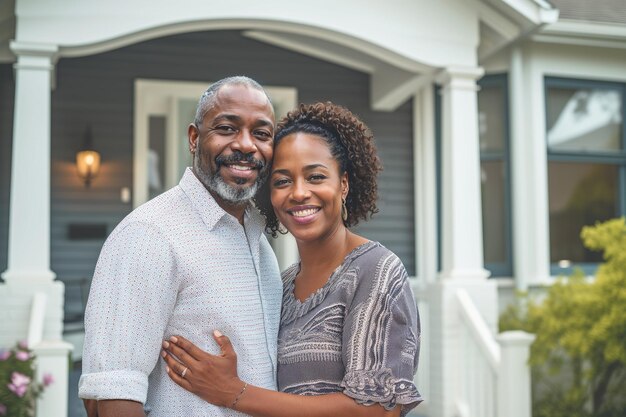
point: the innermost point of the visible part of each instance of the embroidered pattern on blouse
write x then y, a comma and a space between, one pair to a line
359, 334
312, 388
318, 340
367, 349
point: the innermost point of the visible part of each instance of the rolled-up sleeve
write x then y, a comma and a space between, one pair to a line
381, 339
131, 299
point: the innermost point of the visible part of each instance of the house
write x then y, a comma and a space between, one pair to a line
500, 124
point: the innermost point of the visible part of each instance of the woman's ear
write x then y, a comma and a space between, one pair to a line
345, 186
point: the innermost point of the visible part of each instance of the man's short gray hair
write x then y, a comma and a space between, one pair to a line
207, 100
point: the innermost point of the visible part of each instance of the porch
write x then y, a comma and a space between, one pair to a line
91, 75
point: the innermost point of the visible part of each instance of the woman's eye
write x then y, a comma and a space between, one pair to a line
317, 177
280, 182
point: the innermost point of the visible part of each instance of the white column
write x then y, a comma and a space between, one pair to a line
425, 176
29, 221
462, 232
462, 244
28, 269
52, 359
514, 381
528, 173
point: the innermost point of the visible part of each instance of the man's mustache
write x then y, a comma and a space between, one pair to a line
238, 156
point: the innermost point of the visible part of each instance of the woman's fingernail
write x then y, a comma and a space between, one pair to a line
174, 339
165, 344
167, 369
163, 354
217, 333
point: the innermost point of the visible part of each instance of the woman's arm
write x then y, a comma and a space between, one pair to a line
214, 378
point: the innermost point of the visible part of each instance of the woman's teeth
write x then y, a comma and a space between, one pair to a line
304, 213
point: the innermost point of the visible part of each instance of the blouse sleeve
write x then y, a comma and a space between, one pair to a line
131, 299
381, 338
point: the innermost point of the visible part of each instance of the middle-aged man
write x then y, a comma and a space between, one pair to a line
189, 262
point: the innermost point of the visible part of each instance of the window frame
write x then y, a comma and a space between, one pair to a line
502, 269
591, 157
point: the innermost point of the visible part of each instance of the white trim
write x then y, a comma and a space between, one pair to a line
571, 40
595, 34
391, 88
587, 29
285, 42
316, 32
536, 12
497, 21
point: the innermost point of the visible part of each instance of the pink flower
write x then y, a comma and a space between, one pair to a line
23, 344
22, 356
18, 390
19, 384
4, 355
48, 379
3, 410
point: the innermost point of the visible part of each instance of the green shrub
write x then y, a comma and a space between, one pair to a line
579, 356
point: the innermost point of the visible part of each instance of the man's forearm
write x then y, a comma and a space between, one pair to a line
120, 408
91, 406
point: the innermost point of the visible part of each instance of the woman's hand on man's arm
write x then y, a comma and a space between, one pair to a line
214, 378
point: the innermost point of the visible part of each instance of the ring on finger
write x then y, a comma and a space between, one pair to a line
182, 374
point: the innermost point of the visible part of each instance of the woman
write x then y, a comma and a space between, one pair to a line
349, 336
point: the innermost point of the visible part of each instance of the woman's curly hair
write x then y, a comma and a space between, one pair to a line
352, 145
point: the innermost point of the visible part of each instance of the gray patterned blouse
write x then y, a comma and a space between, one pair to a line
359, 334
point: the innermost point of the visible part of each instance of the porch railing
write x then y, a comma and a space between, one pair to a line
494, 373
52, 358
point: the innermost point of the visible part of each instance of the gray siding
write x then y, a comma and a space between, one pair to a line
6, 133
98, 90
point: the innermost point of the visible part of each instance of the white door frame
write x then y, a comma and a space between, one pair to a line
161, 98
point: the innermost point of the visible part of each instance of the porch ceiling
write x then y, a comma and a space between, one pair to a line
391, 83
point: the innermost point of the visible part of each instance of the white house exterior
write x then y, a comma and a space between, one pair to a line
492, 118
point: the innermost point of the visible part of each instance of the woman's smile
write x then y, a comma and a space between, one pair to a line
307, 187
303, 214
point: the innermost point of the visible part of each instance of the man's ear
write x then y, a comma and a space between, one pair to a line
192, 135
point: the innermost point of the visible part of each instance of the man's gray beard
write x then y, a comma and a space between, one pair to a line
237, 196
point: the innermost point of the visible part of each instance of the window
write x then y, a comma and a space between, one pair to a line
493, 128
586, 164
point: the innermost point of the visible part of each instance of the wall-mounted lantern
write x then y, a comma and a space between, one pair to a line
87, 159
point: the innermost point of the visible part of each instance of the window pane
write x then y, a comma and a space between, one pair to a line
584, 119
491, 118
494, 212
580, 194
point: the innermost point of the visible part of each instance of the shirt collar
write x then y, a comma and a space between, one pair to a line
210, 212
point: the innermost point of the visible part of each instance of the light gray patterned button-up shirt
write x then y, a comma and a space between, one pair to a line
179, 264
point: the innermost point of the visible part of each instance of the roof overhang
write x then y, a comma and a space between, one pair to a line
504, 22
574, 32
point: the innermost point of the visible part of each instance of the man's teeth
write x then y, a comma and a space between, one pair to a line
241, 167
304, 213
